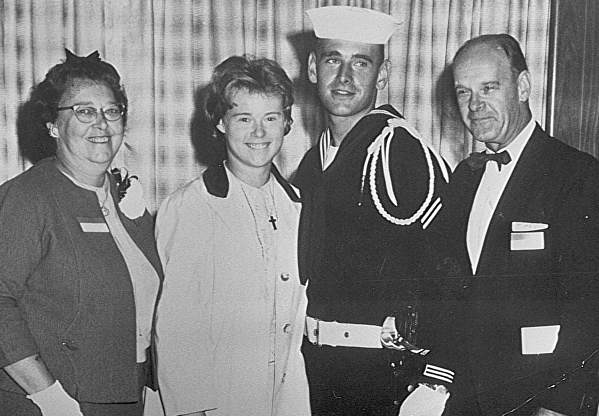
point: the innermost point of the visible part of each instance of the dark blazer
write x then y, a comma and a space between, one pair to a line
66, 294
552, 184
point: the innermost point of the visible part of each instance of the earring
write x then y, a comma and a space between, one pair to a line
220, 127
52, 130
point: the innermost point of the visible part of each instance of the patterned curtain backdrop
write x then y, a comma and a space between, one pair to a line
165, 51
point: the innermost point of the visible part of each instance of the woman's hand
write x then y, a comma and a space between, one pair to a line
54, 401
47, 393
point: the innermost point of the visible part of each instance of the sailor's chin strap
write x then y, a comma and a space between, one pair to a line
380, 147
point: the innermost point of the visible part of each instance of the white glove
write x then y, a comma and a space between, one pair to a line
425, 401
54, 401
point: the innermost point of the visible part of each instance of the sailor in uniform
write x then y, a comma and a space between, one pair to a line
371, 248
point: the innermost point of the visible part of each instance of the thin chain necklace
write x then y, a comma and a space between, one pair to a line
271, 192
271, 210
106, 190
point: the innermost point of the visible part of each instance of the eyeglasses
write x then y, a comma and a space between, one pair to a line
87, 114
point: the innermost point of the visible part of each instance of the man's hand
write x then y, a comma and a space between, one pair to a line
425, 400
389, 333
392, 339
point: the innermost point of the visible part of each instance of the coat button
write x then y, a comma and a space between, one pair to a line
285, 276
69, 345
287, 328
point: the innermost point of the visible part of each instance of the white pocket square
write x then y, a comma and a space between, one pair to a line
539, 339
521, 226
527, 241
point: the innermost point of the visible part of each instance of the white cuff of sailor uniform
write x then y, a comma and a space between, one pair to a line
438, 373
55, 401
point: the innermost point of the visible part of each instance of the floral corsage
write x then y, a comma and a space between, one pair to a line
130, 193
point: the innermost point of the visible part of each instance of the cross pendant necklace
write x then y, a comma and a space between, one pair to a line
272, 216
268, 196
273, 221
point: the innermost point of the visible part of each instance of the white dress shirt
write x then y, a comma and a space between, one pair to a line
489, 192
328, 151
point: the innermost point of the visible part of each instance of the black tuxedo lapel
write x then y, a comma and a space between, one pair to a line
529, 169
460, 196
514, 204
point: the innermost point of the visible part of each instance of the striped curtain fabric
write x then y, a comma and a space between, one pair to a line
166, 50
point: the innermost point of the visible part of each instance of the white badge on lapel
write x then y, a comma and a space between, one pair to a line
527, 236
539, 339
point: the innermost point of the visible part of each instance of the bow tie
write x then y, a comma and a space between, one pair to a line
478, 160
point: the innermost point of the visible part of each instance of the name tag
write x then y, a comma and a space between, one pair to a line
539, 339
93, 225
520, 226
527, 241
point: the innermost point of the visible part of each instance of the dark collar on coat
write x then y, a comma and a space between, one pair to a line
217, 183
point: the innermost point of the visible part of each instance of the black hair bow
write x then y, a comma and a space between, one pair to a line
74, 59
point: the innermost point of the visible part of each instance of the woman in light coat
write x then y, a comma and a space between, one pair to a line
231, 315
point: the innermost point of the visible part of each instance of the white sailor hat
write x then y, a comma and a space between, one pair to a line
354, 24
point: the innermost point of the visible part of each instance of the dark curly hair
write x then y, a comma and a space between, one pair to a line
263, 76
46, 95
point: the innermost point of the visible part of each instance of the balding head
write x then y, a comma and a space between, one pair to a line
501, 42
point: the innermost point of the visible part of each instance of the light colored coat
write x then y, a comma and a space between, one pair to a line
213, 318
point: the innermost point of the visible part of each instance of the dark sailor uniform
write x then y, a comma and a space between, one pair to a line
370, 248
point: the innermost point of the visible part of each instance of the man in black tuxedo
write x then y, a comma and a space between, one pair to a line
528, 208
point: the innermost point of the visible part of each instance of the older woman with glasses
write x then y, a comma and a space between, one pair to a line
79, 271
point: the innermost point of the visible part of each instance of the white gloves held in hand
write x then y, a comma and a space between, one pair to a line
54, 401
